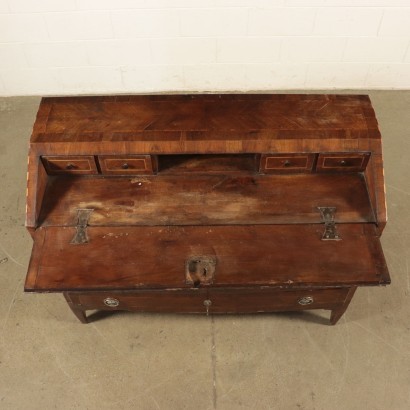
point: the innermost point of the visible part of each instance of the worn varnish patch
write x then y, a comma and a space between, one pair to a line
156, 257
207, 199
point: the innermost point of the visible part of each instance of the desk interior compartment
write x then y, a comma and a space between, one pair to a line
206, 199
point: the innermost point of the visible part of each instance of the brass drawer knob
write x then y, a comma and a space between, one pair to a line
125, 166
70, 166
111, 302
287, 163
343, 163
305, 300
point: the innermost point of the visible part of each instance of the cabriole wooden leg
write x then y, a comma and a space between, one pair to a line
338, 313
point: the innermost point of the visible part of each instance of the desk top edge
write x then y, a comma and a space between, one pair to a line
202, 117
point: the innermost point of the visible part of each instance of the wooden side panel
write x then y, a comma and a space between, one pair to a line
36, 186
155, 257
377, 191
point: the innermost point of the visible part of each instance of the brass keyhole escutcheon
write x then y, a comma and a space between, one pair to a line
200, 270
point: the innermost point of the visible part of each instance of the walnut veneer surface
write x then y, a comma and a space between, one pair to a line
206, 203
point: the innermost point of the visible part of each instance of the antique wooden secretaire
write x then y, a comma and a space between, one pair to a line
206, 203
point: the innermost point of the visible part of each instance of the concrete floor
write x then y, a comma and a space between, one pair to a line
140, 361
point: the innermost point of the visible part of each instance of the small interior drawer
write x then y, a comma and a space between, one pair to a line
342, 162
126, 165
286, 163
81, 164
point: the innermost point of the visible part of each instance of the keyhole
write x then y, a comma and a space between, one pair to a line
200, 271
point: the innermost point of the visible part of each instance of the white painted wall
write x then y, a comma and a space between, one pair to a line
134, 46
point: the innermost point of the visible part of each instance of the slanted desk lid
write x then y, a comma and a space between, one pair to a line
131, 257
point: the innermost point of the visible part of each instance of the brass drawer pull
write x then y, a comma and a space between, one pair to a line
305, 300
343, 162
287, 163
111, 302
125, 166
70, 166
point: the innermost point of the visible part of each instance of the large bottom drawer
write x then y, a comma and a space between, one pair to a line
179, 301
211, 300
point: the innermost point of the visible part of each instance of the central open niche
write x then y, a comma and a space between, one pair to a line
207, 163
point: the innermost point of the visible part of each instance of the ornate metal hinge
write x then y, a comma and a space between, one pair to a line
83, 215
328, 217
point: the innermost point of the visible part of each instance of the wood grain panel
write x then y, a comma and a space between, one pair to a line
230, 300
154, 257
205, 117
36, 186
207, 199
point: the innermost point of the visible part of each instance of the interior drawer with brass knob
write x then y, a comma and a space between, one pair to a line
127, 165
342, 162
279, 163
77, 165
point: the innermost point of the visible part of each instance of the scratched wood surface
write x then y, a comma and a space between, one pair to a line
263, 231
155, 257
202, 199
208, 117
